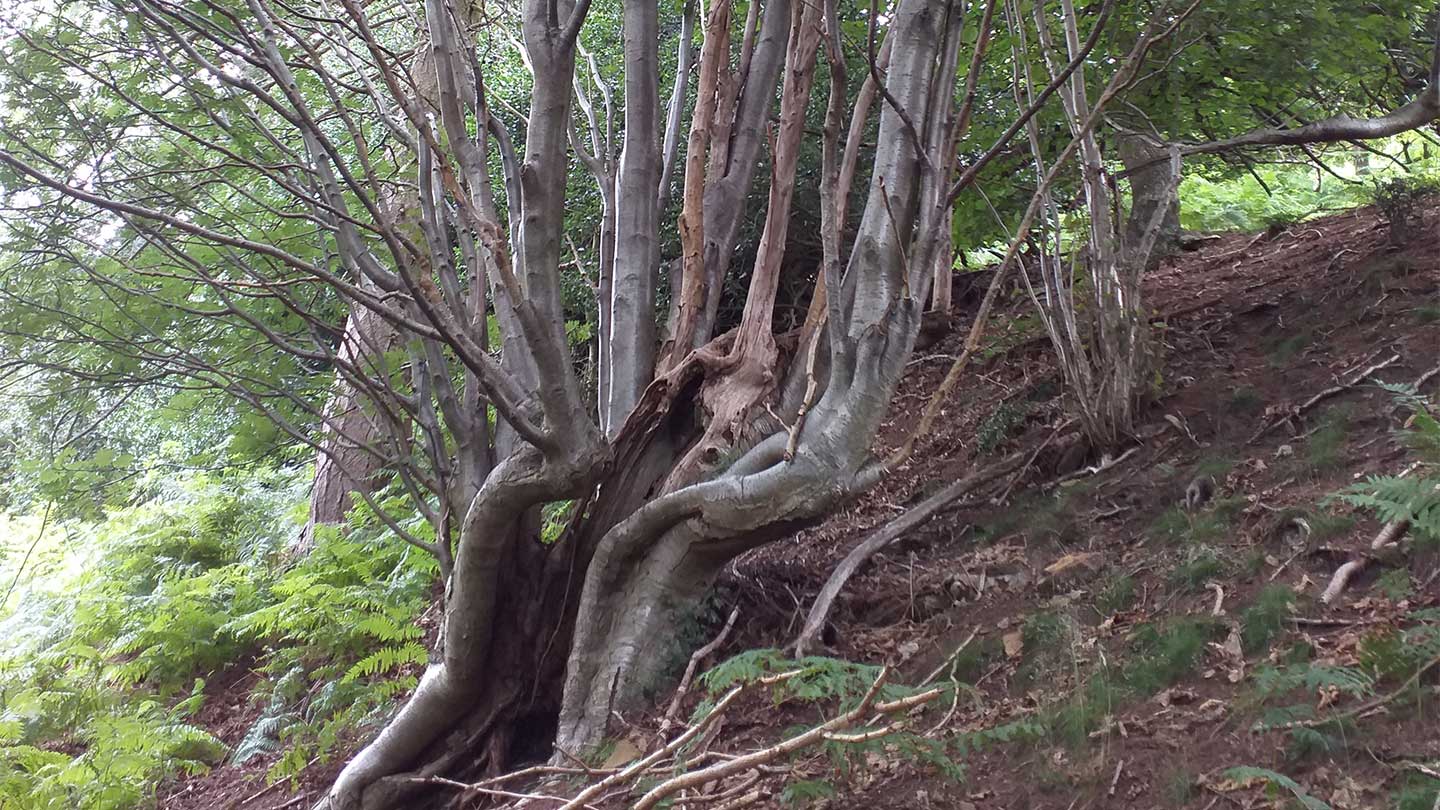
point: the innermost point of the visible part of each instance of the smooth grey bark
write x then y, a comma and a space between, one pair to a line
631, 341
674, 116
1151, 182
725, 195
557, 463
652, 564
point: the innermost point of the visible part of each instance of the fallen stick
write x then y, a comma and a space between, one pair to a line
1218, 609
690, 668
1370, 705
1019, 475
809, 638
1106, 463
1354, 380
744, 763
583, 797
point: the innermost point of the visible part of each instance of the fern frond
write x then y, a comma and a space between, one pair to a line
1246, 774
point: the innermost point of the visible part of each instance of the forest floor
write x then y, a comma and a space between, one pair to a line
1114, 650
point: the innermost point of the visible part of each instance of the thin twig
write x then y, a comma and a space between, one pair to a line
694, 664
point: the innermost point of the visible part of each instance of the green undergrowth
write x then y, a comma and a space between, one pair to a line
1156, 656
834, 685
1212, 523
105, 671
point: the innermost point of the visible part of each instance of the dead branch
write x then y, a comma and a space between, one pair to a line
1353, 381
742, 801
917, 515
795, 743
690, 668
1106, 463
1373, 704
676, 744
467, 787
950, 659
1030, 462
1115, 780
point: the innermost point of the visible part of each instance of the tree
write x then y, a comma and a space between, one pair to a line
1241, 74
263, 169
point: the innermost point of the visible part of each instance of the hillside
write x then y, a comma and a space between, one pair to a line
1109, 648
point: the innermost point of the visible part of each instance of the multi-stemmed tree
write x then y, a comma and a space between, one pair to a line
347, 186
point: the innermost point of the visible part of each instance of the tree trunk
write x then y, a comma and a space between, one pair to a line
1151, 184
343, 465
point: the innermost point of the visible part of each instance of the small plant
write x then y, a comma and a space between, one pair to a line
1417, 792
1170, 527
1000, 425
1117, 595
1276, 784
1176, 525
1201, 565
1180, 787
806, 792
1399, 201
1265, 618
1396, 584
976, 658
1309, 679
1244, 400
1415, 499
817, 679
1216, 467
1048, 640
1392, 654
1327, 526
1286, 348
1039, 517
1323, 449
1305, 743
1158, 657
1165, 654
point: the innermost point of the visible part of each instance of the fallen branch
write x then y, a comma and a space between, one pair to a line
1029, 462
744, 763
690, 668
1106, 463
583, 797
467, 787
809, 638
1354, 380
1115, 780
1218, 609
1370, 705
1389, 535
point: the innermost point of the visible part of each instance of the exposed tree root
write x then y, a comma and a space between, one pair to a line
666, 759
1389, 534
809, 638
1353, 380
